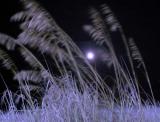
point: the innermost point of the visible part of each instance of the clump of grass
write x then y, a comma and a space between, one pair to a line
59, 83
70, 105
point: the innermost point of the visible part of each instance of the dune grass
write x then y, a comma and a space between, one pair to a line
59, 84
69, 105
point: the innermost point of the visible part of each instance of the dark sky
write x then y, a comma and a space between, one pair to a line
139, 18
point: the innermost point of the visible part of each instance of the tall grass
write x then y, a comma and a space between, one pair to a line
59, 84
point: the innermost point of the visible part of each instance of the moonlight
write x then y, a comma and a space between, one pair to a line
90, 55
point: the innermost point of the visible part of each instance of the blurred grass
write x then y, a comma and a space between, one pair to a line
60, 84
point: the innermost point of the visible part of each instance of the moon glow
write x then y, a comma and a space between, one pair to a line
90, 55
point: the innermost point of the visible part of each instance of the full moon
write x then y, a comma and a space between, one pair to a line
90, 55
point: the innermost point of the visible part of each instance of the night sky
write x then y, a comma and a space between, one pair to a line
139, 18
